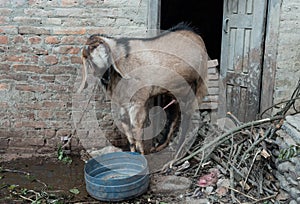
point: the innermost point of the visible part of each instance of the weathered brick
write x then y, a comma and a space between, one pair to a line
32, 88
63, 132
62, 78
62, 115
15, 58
76, 60
5, 11
4, 68
52, 40
33, 30
45, 114
62, 70
69, 3
4, 20
54, 104
39, 12
28, 68
51, 60
18, 39
17, 3
14, 76
27, 141
9, 29
73, 40
27, 20
4, 143
4, 105
48, 78
52, 21
4, 3
30, 124
67, 49
3, 39
69, 31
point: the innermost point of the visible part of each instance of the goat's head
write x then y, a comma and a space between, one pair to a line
97, 56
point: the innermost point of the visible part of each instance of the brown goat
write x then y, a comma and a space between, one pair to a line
132, 70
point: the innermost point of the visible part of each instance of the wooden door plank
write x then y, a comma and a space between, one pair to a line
241, 58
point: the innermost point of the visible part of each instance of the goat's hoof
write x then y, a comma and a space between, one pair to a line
153, 150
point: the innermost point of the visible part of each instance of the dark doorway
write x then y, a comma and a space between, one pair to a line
204, 16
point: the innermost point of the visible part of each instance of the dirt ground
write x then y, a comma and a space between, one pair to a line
47, 180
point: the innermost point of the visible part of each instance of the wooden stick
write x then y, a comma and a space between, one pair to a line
250, 169
225, 135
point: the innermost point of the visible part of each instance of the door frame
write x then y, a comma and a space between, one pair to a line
270, 55
269, 62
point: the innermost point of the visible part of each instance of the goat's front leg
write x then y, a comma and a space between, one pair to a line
129, 136
138, 116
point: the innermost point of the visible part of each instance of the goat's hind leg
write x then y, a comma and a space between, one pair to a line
170, 134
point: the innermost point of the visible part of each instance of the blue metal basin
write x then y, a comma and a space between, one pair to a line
117, 176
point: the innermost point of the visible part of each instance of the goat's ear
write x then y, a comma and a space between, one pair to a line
113, 59
84, 76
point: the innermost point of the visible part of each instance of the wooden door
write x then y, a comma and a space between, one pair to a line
241, 57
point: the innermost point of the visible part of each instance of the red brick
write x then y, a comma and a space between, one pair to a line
3, 39
28, 68
34, 78
68, 40
4, 86
48, 78
34, 40
32, 88
51, 60
65, 59
15, 58
76, 60
52, 40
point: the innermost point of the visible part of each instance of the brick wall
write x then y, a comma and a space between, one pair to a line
288, 58
40, 43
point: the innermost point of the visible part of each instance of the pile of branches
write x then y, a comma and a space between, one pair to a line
244, 153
